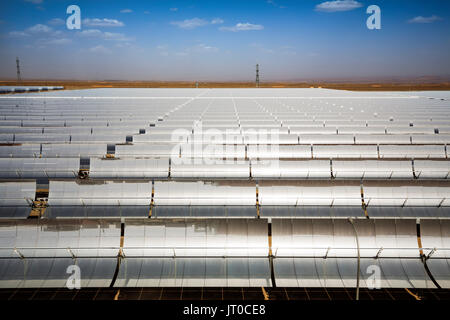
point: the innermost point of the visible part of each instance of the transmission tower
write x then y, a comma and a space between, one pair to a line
18, 69
257, 75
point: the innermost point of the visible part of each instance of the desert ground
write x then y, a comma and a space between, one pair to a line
381, 86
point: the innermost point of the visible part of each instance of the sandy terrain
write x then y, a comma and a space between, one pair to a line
182, 84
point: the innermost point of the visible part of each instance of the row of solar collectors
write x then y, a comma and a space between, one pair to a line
224, 237
58, 118
367, 105
52, 101
164, 133
19, 126
331, 117
73, 114
89, 131
24, 126
34, 168
12, 89
46, 119
132, 93
242, 193
174, 109
308, 128
419, 116
405, 109
58, 105
137, 199
367, 101
215, 152
224, 272
218, 137
239, 92
230, 212
236, 134
307, 253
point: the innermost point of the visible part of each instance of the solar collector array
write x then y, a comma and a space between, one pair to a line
216, 253
188, 171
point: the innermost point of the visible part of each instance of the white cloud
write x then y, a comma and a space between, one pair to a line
190, 23
116, 36
34, 1
39, 28
96, 22
217, 21
95, 33
56, 22
18, 34
421, 19
273, 3
43, 35
173, 9
91, 33
243, 27
204, 48
126, 11
100, 49
36, 30
338, 5
196, 22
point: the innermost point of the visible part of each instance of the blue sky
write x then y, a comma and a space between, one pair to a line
223, 40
